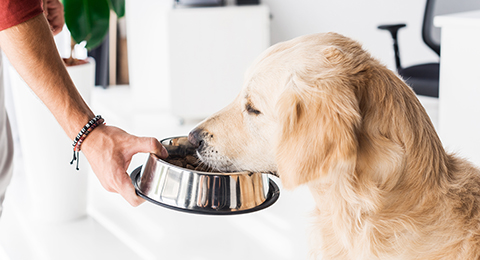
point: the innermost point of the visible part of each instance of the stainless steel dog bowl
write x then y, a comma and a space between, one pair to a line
199, 192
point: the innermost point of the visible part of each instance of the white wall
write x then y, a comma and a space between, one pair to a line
357, 19
354, 18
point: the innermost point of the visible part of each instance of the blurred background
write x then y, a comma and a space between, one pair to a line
163, 67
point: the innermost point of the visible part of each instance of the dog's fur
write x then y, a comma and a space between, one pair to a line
319, 110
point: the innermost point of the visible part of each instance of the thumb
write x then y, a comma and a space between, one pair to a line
151, 145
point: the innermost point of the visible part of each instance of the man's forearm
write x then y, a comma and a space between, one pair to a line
40, 65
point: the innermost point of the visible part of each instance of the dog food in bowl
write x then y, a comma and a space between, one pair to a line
181, 153
190, 162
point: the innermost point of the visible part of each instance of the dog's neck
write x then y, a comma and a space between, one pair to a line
354, 205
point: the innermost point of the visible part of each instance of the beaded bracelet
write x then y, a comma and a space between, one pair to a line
92, 124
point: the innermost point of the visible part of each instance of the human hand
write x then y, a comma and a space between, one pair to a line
109, 151
53, 10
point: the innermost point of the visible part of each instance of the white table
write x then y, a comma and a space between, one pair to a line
459, 97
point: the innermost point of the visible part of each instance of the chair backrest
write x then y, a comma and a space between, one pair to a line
430, 33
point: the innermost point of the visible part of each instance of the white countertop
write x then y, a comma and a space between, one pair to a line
115, 230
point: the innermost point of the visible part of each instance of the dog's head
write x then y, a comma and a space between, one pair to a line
300, 112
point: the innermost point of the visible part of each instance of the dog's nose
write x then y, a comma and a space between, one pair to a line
194, 137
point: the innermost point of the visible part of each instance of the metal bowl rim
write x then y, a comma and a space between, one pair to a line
272, 196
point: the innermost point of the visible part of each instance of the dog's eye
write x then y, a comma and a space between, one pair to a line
251, 110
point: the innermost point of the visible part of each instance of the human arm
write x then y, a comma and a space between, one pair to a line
31, 50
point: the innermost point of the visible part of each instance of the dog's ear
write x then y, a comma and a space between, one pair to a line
319, 118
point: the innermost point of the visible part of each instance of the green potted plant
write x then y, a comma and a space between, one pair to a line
88, 20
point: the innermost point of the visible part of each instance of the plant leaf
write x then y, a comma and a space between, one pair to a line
119, 7
87, 20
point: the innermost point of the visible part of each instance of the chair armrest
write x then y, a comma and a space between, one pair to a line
392, 28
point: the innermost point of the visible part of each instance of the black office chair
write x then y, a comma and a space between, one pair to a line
424, 78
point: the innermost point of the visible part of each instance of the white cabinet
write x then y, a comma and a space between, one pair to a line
190, 62
459, 97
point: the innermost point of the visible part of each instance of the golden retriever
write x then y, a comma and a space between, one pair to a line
319, 110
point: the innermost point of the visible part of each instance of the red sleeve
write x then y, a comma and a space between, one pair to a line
13, 12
